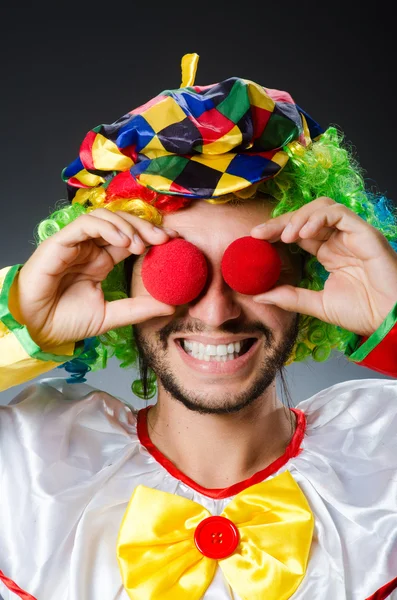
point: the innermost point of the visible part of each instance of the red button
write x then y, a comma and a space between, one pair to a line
216, 537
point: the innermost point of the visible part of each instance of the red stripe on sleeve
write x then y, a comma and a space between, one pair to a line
385, 591
15, 588
383, 358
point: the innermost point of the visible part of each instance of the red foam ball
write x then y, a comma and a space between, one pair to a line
251, 266
174, 272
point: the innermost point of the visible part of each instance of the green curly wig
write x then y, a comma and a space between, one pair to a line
327, 167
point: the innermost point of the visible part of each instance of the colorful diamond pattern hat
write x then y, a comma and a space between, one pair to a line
195, 141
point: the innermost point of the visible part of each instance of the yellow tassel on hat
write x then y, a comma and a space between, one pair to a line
189, 67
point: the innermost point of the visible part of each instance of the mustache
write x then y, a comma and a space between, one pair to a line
255, 328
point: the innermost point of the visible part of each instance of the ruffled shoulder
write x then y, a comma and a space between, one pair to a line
351, 403
73, 431
347, 470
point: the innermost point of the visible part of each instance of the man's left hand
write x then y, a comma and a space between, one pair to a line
362, 286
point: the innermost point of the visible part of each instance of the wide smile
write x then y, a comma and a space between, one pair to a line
221, 358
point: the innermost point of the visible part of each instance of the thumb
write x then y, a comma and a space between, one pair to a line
129, 311
294, 299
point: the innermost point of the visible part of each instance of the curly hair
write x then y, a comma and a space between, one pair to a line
327, 167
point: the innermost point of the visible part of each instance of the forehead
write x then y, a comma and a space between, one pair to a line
218, 224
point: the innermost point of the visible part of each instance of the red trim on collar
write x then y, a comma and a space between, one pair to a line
293, 449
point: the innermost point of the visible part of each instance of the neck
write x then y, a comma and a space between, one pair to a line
217, 451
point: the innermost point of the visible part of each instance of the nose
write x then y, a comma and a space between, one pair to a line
217, 303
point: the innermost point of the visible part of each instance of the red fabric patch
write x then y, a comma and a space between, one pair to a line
175, 187
202, 88
131, 152
76, 183
260, 118
170, 204
212, 125
280, 96
86, 150
124, 185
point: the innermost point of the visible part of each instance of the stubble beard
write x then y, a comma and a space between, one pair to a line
154, 355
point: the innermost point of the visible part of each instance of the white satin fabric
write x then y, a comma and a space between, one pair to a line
70, 460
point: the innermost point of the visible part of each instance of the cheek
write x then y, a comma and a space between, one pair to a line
137, 287
277, 319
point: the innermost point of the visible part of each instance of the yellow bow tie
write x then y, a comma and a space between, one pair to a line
157, 547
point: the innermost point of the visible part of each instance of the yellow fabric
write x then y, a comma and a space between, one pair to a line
107, 156
189, 67
16, 366
159, 560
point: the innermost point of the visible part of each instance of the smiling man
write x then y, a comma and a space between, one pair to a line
218, 490
219, 355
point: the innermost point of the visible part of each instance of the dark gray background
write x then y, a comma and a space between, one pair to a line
63, 75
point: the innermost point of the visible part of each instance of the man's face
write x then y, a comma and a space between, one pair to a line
221, 351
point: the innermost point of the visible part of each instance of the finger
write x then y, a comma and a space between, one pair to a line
143, 225
291, 221
305, 222
293, 299
89, 227
128, 311
337, 216
63, 248
131, 225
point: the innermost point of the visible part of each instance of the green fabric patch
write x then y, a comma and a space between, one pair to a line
278, 132
358, 353
236, 103
167, 166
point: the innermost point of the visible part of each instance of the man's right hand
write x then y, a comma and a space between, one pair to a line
59, 292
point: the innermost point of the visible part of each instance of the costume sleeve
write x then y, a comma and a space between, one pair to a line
21, 359
379, 350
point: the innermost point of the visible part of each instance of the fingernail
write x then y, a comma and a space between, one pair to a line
171, 232
261, 226
263, 301
137, 239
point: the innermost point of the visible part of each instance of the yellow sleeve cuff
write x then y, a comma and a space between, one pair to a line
20, 358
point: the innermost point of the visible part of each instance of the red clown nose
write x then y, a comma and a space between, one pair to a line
251, 266
175, 272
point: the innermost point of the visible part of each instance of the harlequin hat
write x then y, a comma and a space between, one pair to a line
195, 142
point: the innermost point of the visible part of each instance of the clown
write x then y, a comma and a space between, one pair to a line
212, 236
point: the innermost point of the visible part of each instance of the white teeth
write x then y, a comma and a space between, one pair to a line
210, 352
221, 350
